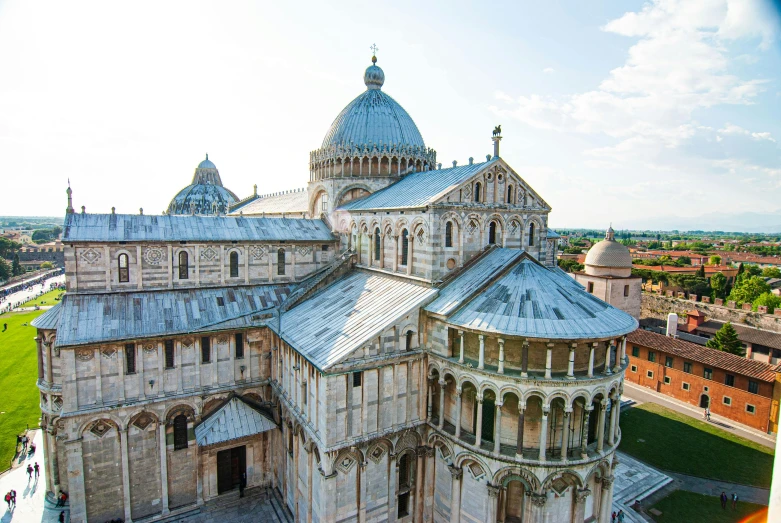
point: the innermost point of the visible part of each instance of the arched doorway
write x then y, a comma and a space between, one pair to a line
704, 401
513, 501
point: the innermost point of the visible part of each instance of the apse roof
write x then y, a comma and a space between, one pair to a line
293, 202
49, 319
167, 228
235, 419
417, 189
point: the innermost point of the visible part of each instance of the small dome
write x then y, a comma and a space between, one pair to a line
374, 76
609, 253
207, 164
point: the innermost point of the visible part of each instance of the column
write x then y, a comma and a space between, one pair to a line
382, 251
140, 371
498, 428
623, 350
584, 432
214, 357
371, 249
178, 365
429, 486
49, 369
410, 243
121, 370
197, 349
441, 420
458, 412
544, 432
601, 426
521, 422
604, 502
617, 429
525, 360
608, 349
548, 361
429, 399
611, 434
50, 457
479, 423
360, 246
580, 504
421, 452
232, 356
565, 433
501, 355
455, 494
395, 253
571, 362
461, 347
619, 356
493, 502
164, 468
98, 377
538, 507
125, 471
591, 359
160, 365
75, 472
481, 360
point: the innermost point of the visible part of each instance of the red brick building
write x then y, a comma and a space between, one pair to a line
737, 388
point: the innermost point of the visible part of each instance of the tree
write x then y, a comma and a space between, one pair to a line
701, 271
16, 268
726, 340
749, 289
715, 260
768, 298
771, 272
7, 247
5, 270
690, 283
47, 265
718, 282
570, 265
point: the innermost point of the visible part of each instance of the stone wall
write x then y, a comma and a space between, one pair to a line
657, 306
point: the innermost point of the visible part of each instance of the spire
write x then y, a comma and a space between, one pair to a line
374, 77
69, 209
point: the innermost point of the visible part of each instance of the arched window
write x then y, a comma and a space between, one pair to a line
180, 432
409, 340
184, 271
404, 247
234, 264
324, 202
449, 234
405, 485
281, 262
124, 269
478, 186
531, 234
492, 233
377, 244
510, 194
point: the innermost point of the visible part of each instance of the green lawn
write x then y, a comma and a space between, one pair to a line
671, 441
46, 299
19, 406
688, 507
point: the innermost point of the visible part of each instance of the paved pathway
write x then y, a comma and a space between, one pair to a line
31, 504
640, 394
257, 505
712, 487
634, 480
33, 292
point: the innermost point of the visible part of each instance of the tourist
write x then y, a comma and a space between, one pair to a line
25, 439
242, 484
621, 516
61, 519
37, 470
723, 499
13, 498
613, 517
29, 472
5, 327
8, 500
734, 501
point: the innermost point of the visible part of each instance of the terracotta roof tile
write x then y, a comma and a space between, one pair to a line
706, 355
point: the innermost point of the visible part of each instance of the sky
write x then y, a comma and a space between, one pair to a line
626, 111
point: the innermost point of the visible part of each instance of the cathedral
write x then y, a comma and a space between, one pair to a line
393, 343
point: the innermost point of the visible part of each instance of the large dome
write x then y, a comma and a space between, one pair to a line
205, 195
609, 253
374, 118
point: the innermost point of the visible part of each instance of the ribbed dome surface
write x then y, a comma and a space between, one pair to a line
609, 253
205, 195
373, 118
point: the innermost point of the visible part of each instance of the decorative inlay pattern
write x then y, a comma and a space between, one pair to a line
90, 255
100, 428
467, 192
346, 464
143, 421
154, 255
258, 252
514, 227
472, 227
108, 353
209, 254
187, 343
222, 339
376, 454
149, 348
305, 250
84, 354
421, 236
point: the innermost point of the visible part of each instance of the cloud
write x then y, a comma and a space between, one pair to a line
730, 129
548, 70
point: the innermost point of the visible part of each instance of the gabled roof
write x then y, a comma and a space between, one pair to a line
345, 315
295, 202
95, 318
417, 189
167, 228
235, 419
49, 319
533, 301
748, 334
711, 357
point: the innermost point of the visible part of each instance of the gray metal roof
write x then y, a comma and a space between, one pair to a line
49, 319
142, 228
292, 202
553, 234
533, 301
373, 118
95, 318
345, 315
463, 286
202, 199
417, 189
236, 419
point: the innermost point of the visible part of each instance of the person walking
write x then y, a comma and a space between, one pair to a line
723, 499
242, 484
37, 469
13, 498
734, 500
24, 443
707, 413
61, 519
613, 517
29, 473
8, 500
621, 516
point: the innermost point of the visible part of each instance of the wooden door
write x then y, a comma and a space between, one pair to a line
224, 471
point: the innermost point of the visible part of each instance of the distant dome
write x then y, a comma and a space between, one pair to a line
374, 118
609, 254
205, 195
